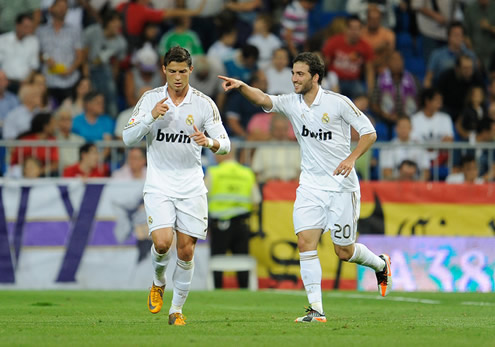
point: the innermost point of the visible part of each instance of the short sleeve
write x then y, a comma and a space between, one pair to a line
353, 116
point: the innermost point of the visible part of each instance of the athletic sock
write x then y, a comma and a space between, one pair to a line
182, 283
363, 256
160, 262
311, 277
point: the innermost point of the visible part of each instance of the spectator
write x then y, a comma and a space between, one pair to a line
32, 168
180, 35
138, 12
245, 13
444, 57
278, 74
431, 125
472, 115
8, 101
399, 151
349, 56
75, 103
10, 10
88, 164
134, 168
243, 64
61, 52
223, 49
19, 119
263, 39
143, 74
479, 19
232, 196
277, 162
469, 172
38, 80
386, 7
395, 94
239, 111
381, 39
68, 153
42, 128
105, 48
204, 78
294, 24
408, 171
455, 83
19, 52
432, 19
93, 125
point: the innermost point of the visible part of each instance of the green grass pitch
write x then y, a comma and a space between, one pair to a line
242, 318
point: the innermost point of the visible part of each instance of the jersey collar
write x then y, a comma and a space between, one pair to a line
317, 99
187, 99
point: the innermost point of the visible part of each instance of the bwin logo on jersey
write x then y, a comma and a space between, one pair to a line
171, 137
320, 135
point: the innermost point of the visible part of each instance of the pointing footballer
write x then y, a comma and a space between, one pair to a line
328, 196
173, 119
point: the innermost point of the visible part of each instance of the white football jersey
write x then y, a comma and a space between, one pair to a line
324, 134
174, 160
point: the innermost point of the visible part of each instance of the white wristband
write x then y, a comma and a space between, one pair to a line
210, 143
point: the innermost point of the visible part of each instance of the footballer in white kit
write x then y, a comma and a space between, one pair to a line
328, 196
173, 119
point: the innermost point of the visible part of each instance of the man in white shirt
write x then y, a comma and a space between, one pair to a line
328, 196
19, 52
173, 118
399, 150
431, 125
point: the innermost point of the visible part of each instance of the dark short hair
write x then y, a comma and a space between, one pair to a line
20, 18
250, 51
453, 25
428, 94
467, 158
408, 163
91, 95
351, 18
316, 65
110, 16
177, 54
85, 149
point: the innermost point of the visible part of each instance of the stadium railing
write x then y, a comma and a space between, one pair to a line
117, 152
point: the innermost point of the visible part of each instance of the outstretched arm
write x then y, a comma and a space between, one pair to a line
253, 95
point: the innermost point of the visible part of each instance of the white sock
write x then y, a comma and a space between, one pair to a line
160, 262
363, 256
311, 277
182, 282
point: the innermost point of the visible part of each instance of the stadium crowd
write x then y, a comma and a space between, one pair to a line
423, 71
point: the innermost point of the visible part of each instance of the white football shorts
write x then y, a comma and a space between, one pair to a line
337, 212
189, 216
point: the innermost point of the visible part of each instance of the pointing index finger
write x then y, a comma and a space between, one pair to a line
223, 78
195, 128
163, 100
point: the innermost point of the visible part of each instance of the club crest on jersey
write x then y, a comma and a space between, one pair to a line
325, 119
190, 120
150, 220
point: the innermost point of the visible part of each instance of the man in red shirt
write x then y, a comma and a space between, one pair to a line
87, 165
350, 57
138, 12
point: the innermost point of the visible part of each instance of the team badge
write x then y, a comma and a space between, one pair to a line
325, 119
190, 120
150, 220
